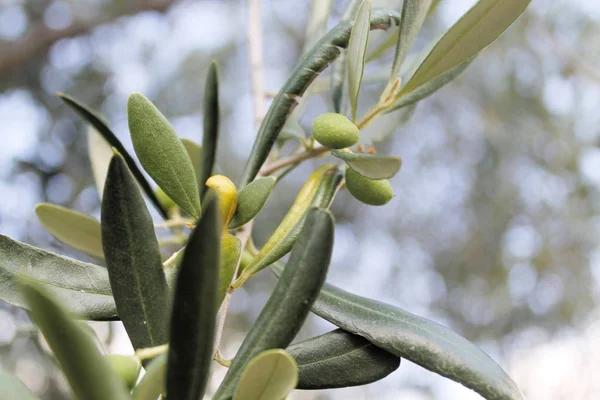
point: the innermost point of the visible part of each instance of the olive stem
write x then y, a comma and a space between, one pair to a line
151, 352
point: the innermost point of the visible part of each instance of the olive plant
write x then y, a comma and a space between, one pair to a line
173, 306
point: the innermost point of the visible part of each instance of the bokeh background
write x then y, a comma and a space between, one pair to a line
494, 228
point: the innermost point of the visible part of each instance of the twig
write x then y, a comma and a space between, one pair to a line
151, 352
291, 160
256, 55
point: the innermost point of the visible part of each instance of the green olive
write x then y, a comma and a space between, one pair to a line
335, 131
164, 199
369, 191
126, 367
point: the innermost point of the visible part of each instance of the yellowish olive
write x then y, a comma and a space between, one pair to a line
369, 191
335, 131
126, 367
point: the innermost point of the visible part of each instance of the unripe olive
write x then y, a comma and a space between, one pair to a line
126, 367
335, 131
164, 199
369, 191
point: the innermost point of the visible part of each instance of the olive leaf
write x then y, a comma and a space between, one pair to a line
323, 53
318, 191
133, 259
231, 250
210, 135
12, 388
417, 339
195, 308
83, 288
270, 375
370, 165
153, 384
162, 154
77, 230
100, 153
194, 151
88, 373
323, 361
99, 123
413, 15
474, 31
289, 303
357, 49
251, 199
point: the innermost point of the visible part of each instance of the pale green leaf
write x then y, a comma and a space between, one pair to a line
413, 15
194, 150
271, 375
251, 199
162, 154
479, 27
231, 251
370, 165
77, 230
357, 48
88, 373
12, 388
317, 22
153, 384
100, 153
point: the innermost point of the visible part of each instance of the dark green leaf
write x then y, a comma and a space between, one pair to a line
194, 150
195, 308
152, 384
357, 51
133, 259
313, 63
324, 361
271, 375
211, 127
288, 306
89, 374
99, 123
370, 165
82, 287
251, 199
417, 339
74, 229
479, 27
413, 15
12, 388
162, 154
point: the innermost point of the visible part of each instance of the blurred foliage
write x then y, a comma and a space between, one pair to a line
494, 228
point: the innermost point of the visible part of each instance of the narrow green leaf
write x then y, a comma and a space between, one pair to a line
382, 48
88, 373
271, 375
313, 63
153, 384
133, 259
195, 308
100, 153
324, 361
479, 27
162, 154
319, 191
99, 123
294, 294
417, 339
370, 165
231, 251
194, 150
413, 15
12, 388
211, 127
82, 287
357, 50
429, 87
77, 230
251, 199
